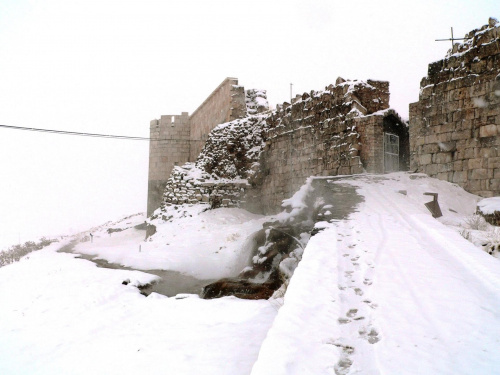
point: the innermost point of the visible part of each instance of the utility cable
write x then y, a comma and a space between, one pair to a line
96, 135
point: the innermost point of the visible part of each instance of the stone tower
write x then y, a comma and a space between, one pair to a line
177, 139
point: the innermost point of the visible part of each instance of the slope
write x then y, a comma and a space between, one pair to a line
390, 291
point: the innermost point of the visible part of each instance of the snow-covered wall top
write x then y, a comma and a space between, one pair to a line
256, 101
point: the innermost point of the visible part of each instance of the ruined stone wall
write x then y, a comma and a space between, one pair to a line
188, 184
226, 103
455, 125
262, 159
169, 146
333, 132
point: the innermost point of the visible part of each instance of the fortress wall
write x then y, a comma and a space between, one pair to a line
455, 125
225, 103
169, 146
260, 160
323, 133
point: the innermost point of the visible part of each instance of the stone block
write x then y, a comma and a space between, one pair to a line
442, 157
446, 176
478, 174
425, 159
475, 163
431, 148
488, 131
459, 177
431, 169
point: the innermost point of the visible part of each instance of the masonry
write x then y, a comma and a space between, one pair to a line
339, 131
177, 139
455, 125
259, 160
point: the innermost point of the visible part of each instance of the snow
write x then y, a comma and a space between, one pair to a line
205, 244
62, 315
389, 290
489, 205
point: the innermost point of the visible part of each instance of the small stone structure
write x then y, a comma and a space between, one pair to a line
455, 125
177, 139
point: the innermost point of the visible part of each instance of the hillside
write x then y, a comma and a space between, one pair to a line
388, 289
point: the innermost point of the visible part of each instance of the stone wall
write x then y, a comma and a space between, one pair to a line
176, 140
338, 131
455, 125
188, 184
268, 156
169, 146
224, 104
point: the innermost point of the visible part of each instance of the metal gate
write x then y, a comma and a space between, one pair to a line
391, 152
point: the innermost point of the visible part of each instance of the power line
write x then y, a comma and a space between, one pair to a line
95, 135
74, 133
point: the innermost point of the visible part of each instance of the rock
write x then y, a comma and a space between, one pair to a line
150, 230
239, 288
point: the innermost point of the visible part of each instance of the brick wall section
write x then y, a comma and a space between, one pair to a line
226, 103
455, 125
169, 146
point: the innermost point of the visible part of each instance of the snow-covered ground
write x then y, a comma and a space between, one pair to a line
204, 244
61, 315
389, 290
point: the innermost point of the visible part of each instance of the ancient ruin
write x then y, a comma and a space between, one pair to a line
455, 125
177, 139
259, 160
233, 151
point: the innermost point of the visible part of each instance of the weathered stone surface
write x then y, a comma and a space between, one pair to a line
262, 159
177, 139
454, 125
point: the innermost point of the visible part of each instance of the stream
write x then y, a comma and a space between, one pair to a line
171, 283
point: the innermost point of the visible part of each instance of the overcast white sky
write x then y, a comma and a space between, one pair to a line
111, 66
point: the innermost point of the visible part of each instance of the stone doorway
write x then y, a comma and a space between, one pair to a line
391, 152
396, 144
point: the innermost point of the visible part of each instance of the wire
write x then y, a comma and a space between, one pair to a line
75, 133
96, 135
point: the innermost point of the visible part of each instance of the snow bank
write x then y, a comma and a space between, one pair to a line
299, 341
203, 244
62, 315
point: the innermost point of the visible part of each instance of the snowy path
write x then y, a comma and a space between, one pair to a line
398, 292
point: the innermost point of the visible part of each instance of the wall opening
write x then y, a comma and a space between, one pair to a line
391, 152
396, 145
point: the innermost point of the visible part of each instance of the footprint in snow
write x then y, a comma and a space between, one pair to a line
352, 313
358, 291
342, 367
370, 334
